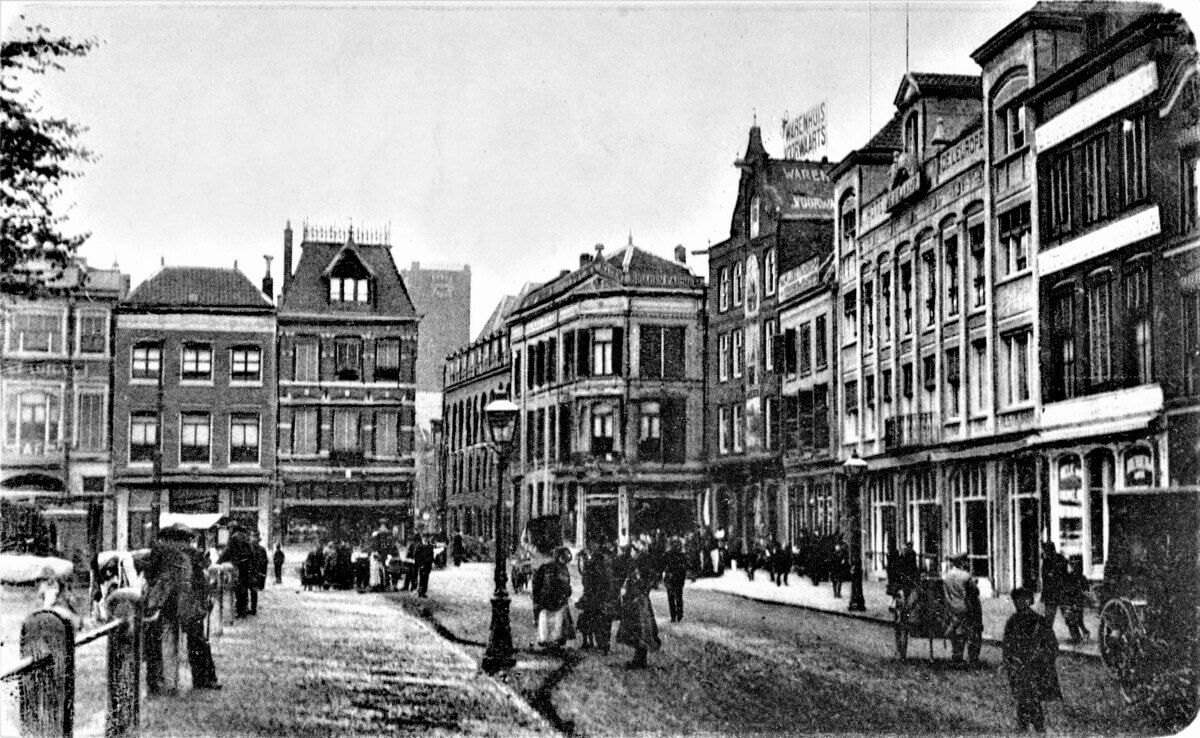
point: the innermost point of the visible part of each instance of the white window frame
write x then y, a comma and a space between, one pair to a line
12, 335
723, 429
723, 357
78, 424
258, 433
103, 317
181, 444
200, 348
248, 350
739, 353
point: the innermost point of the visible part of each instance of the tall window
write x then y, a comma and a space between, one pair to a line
929, 265
769, 272
602, 430
146, 361
739, 352
868, 312
1060, 193
387, 436
906, 380
1133, 158
346, 431
739, 427
93, 332
978, 274
1095, 179
755, 216
650, 431
770, 330
953, 381
929, 374
306, 362
906, 292
723, 429
602, 352
805, 349
243, 438
245, 364
347, 358
196, 362
1191, 342
726, 289
850, 315
36, 332
723, 357
951, 249
983, 376
1014, 239
195, 438
90, 422
661, 352
143, 437
387, 360
912, 134
1137, 312
1014, 127
820, 342
1062, 323
1016, 346
885, 305
33, 422
1189, 192
1099, 304
850, 431
304, 431
738, 282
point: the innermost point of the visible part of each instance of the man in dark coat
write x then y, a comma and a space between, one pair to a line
260, 573
177, 589
638, 629
240, 552
1054, 582
423, 558
277, 561
599, 601
1029, 653
903, 574
675, 571
456, 548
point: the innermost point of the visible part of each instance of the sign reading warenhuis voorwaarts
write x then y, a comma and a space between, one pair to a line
804, 133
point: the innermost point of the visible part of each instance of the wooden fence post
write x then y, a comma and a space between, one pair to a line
48, 703
124, 665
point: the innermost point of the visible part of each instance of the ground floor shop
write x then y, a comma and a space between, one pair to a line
317, 509
143, 507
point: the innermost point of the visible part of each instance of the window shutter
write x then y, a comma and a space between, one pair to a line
674, 360
551, 360
568, 372
674, 429
805, 420
820, 418
564, 431
789, 351
618, 352
584, 352
650, 353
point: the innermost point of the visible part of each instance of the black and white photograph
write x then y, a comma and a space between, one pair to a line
599, 369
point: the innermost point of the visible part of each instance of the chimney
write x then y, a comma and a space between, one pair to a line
564, 273
584, 259
681, 254
287, 260
268, 284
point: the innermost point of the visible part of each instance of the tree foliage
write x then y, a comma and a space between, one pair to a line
39, 152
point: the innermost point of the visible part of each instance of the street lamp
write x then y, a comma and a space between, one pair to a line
854, 469
501, 418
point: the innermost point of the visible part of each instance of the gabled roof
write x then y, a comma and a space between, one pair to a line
496, 321
191, 287
632, 259
308, 291
886, 140
352, 250
929, 84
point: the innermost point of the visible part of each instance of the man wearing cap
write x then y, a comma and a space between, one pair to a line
240, 553
966, 612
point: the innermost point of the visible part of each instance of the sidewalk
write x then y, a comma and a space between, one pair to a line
337, 663
800, 592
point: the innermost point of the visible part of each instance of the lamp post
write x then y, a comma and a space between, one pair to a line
501, 418
854, 469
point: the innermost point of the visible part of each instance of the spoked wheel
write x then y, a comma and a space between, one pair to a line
901, 623
1120, 645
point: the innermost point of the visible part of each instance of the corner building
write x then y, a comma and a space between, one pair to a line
193, 402
608, 373
347, 386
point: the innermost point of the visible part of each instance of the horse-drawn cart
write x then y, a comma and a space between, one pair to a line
921, 613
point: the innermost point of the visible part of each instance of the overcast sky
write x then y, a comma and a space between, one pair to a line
509, 137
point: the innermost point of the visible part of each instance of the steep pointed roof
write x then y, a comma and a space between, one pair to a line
930, 84
193, 287
632, 259
754, 146
308, 291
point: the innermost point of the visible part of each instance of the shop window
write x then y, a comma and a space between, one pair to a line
1100, 482
1069, 506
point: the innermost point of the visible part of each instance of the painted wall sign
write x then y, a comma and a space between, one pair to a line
1097, 106
794, 281
960, 156
805, 133
906, 190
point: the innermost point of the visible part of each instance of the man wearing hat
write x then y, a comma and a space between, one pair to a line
966, 612
177, 588
240, 553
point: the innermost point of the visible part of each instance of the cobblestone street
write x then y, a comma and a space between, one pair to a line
339, 663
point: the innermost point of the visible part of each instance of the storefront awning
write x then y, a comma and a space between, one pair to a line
1106, 427
195, 521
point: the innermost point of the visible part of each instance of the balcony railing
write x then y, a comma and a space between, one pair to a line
347, 458
913, 429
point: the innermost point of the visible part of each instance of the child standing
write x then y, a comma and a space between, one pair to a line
1029, 653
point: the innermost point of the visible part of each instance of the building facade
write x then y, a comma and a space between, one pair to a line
475, 375
193, 402
608, 373
782, 222
347, 386
55, 375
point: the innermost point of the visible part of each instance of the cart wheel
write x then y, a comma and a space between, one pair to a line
901, 624
1120, 645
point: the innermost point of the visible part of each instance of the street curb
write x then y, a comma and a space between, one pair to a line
1063, 648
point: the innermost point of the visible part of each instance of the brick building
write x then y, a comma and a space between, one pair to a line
193, 402
347, 385
54, 390
608, 373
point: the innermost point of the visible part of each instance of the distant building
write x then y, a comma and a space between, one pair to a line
781, 227
608, 373
474, 374
193, 403
442, 297
347, 387
54, 390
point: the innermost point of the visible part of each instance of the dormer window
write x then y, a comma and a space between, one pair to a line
755, 217
349, 279
912, 134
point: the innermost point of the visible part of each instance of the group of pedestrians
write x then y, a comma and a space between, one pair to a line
819, 557
386, 563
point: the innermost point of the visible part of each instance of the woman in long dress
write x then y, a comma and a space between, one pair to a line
638, 629
552, 600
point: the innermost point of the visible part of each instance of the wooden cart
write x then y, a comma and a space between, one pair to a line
922, 614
